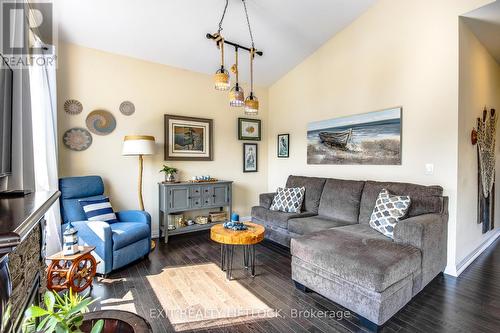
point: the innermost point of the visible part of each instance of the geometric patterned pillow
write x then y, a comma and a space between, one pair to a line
288, 200
388, 211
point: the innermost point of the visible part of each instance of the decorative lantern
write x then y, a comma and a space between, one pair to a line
70, 240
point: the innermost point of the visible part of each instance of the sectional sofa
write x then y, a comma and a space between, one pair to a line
337, 254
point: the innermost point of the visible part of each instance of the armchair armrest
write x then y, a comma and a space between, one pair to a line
428, 233
98, 234
266, 199
139, 216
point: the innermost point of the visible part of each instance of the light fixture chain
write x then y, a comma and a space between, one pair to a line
248, 22
222, 18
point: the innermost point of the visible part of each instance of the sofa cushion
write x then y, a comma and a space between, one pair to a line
288, 200
81, 187
99, 210
371, 262
425, 199
276, 218
340, 200
307, 225
71, 210
389, 209
314, 188
126, 233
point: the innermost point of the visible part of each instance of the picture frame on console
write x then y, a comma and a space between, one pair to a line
250, 157
188, 138
283, 145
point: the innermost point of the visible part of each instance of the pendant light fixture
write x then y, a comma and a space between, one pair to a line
252, 102
236, 95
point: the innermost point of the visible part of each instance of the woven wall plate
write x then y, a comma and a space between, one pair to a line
77, 139
72, 106
101, 122
127, 108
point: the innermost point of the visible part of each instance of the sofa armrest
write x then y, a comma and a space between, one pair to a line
428, 233
266, 199
98, 234
139, 216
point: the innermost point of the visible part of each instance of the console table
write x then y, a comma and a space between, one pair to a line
186, 196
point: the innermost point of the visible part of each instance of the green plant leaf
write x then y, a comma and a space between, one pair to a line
35, 312
98, 326
43, 323
49, 300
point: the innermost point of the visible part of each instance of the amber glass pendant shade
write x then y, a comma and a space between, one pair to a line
221, 79
252, 105
236, 96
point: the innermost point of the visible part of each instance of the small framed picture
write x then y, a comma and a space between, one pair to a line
250, 157
188, 138
283, 145
249, 129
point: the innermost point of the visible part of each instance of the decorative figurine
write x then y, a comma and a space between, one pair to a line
235, 223
70, 240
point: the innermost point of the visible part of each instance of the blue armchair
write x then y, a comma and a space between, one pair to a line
117, 244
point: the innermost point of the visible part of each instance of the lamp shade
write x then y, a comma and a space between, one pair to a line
134, 145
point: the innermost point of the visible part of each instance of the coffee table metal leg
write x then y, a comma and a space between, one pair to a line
222, 257
230, 262
252, 247
245, 256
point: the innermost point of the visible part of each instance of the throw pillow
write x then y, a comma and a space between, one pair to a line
389, 210
288, 200
98, 210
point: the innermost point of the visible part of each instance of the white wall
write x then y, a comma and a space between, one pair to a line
479, 87
399, 53
103, 80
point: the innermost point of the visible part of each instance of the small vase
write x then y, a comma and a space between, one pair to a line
169, 177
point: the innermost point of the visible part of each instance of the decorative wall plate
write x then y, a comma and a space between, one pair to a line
101, 122
77, 139
127, 108
72, 106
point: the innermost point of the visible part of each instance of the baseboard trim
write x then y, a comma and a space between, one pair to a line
464, 263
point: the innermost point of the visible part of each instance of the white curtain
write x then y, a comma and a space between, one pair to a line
44, 118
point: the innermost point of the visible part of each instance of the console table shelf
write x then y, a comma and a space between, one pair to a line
176, 198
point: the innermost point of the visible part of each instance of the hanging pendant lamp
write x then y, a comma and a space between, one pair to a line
221, 77
252, 102
236, 95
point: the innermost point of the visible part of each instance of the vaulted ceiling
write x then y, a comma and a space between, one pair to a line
172, 32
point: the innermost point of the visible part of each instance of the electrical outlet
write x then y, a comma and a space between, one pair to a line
429, 169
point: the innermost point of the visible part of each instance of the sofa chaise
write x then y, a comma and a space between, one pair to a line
337, 254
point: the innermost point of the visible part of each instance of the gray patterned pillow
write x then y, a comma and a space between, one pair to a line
288, 200
388, 211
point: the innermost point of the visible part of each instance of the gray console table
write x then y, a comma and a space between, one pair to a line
182, 197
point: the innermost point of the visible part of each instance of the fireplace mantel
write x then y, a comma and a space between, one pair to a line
21, 226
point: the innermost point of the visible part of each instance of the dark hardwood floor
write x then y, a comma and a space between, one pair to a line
470, 303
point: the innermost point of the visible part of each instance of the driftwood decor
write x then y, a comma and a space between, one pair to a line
485, 136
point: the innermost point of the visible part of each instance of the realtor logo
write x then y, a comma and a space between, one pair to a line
20, 24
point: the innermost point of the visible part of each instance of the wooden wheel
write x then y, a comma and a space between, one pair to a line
57, 274
82, 273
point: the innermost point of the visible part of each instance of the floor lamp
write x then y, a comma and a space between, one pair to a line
139, 145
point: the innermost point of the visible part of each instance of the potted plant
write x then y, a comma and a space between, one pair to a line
169, 173
62, 313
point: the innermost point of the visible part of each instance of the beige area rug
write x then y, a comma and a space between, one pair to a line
199, 296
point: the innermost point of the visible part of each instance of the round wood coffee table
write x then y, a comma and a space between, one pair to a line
228, 239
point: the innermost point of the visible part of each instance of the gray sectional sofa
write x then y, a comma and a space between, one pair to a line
337, 254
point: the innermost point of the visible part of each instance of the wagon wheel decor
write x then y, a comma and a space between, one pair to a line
82, 273
75, 271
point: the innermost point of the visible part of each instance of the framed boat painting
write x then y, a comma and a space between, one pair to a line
283, 145
372, 138
188, 138
249, 129
250, 156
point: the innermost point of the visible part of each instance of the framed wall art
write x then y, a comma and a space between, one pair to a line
188, 138
372, 138
250, 157
249, 129
283, 145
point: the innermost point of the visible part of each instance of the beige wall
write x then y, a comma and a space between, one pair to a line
399, 53
479, 87
102, 80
